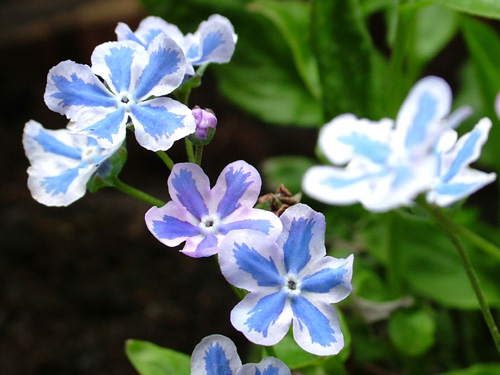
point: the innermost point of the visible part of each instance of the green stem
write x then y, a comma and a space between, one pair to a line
393, 276
166, 159
198, 155
444, 223
189, 150
477, 240
127, 189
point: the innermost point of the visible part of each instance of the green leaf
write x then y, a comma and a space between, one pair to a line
483, 43
293, 355
292, 19
108, 170
344, 52
483, 8
478, 369
412, 332
150, 359
286, 170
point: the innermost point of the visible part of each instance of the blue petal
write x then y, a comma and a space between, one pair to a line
157, 121
266, 312
269, 370
162, 62
211, 41
263, 226
237, 183
77, 92
459, 189
464, 155
324, 280
208, 242
296, 247
119, 62
54, 146
216, 361
170, 228
417, 132
365, 146
108, 126
336, 182
59, 184
316, 322
188, 194
263, 270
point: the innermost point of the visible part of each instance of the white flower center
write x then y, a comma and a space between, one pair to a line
291, 284
210, 224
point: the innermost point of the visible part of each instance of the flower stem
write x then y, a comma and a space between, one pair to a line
444, 223
393, 275
189, 151
127, 189
166, 159
198, 155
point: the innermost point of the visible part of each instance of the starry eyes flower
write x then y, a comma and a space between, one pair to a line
202, 216
217, 355
387, 164
134, 80
455, 180
61, 163
290, 279
213, 42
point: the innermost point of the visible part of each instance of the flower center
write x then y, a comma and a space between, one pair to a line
124, 99
209, 224
291, 284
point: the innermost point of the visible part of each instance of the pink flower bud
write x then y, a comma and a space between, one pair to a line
205, 120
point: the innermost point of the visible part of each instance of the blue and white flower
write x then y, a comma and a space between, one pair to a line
217, 355
61, 163
135, 80
290, 279
455, 180
202, 216
213, 42
387, 164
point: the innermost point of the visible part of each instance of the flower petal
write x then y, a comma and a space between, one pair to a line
268, 366
162, 71
264, 319
113, 62
302, 238
316, 328
467, 150
207, 247
249, 260
346, 137
149, 28
262, 221
330, 279
189, 186
427, 104
215, 355
238, 185
214, 42
73, 88
160, 122
172, 224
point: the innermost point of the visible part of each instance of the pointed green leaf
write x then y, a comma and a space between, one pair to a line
108, 170
412, 332
344, 52
151, 359
483, 8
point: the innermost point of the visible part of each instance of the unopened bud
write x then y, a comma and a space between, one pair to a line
206, 123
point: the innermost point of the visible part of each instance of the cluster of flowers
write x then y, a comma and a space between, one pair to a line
280, 261
387, 163
126, 86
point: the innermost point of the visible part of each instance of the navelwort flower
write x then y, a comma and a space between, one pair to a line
388, 164
217, 355
213, 42
202, 216
290, 279
134, 81
61, 163
455, 180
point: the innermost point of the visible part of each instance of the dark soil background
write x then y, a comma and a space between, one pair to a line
77, 282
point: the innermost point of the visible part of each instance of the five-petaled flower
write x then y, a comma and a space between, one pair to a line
213, 42
290, 279
202, 216
61, 163
217, 355
135, 81
387, 164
